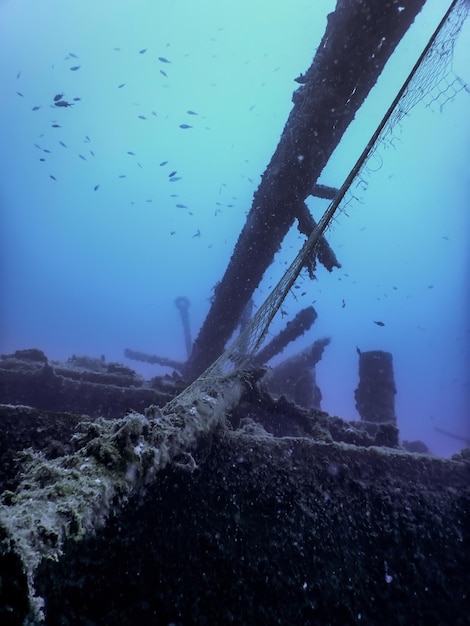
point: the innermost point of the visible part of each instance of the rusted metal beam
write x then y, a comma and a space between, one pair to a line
358, 41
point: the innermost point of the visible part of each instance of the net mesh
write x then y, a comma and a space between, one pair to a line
433, 85
437, 83
431, 82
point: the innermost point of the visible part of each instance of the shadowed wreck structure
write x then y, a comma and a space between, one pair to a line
150, 502
375, 394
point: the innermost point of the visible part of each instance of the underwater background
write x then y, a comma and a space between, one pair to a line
136, 193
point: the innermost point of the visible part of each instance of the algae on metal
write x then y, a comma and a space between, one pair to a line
62, 499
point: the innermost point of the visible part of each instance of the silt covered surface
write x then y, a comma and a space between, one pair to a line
270, 530
277, 531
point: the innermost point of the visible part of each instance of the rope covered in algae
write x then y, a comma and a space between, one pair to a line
64, 498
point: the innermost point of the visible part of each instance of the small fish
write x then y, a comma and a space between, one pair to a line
82, 157
18, 75
41, 159
96, 187
198, 234
163, 60
63, 103
379, 323
46, 150
143, 51
20, 94
172, 174
53, 177
75, 68
35, 108
62, 144
55, 125
74, 56
191, 112
121, 85
122, 175
141, 117
161, 72
181, 206
87, 139
131, 153
92, 153
77, 99
174, 179
358, 351
343, 304
163, 163
154, 114
185, 126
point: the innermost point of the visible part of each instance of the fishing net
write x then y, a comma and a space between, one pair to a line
435, 81
432, 82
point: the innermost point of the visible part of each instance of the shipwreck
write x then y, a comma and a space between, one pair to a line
222, 494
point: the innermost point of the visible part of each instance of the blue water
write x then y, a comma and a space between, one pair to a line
135, 194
